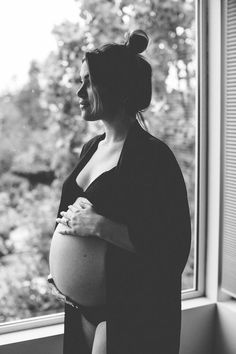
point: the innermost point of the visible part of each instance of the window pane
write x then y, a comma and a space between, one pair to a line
42, 132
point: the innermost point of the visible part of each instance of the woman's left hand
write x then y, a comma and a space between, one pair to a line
81, 219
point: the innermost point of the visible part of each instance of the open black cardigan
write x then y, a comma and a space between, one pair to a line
148, 194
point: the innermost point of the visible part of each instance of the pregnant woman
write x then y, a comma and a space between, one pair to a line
123, 235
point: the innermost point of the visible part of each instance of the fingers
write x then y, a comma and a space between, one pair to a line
62, 221
65, 215
70, 216
70, 212
73, 208
68, 232
83, 202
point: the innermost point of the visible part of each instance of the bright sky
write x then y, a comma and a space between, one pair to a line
25, 34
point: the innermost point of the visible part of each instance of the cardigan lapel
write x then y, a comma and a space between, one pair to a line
133, 153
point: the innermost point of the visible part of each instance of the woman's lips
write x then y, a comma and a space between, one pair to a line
84, 105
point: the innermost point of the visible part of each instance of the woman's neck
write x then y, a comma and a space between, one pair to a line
116, 129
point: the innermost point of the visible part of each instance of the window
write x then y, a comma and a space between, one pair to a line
40, 144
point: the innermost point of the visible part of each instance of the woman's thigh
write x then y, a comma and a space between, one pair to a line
100, 339
89, 331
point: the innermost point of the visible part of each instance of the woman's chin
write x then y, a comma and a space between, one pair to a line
88, 116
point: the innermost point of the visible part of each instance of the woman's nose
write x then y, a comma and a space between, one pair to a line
82, 92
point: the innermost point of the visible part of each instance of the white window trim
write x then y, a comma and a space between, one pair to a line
215, 165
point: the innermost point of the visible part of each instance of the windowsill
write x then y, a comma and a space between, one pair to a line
31, 334
44, 331
196, 303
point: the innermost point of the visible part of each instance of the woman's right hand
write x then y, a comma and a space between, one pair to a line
66, 215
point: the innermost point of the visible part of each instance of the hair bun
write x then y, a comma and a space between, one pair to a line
137, 41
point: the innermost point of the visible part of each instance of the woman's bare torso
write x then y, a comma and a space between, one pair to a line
77, 264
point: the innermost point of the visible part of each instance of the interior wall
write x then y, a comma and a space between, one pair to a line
198, 329
225, 338
47, 345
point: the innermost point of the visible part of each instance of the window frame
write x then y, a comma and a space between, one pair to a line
200, 223
201, 172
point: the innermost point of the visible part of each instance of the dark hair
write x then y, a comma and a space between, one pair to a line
120, 73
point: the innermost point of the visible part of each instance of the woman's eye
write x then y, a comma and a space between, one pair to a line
86, 83
78, 81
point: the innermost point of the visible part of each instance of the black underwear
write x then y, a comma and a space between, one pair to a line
94, 314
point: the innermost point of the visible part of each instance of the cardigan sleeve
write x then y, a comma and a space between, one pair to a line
157, 213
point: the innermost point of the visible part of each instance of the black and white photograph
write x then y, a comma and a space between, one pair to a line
117, 177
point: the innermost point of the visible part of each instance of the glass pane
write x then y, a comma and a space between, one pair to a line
39, 114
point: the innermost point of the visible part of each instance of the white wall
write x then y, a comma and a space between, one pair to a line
225, 339
197, 333
48, 345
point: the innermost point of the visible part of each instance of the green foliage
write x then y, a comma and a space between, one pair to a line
42, 131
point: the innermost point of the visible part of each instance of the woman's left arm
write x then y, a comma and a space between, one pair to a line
115, 233
157, 213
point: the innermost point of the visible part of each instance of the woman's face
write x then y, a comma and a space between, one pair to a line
85, 93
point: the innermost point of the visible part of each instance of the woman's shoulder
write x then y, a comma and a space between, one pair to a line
89, 143
159, 162
157, 149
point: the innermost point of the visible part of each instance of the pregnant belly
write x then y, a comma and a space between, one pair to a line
77, 265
